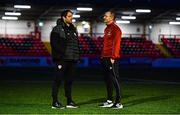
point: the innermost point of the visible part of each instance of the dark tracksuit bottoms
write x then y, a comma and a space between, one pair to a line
111, 77
67, 73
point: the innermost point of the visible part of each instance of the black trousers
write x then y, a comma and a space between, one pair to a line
111, 77
63, 71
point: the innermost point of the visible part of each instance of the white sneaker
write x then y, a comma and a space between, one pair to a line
108, 103
72, 105
117, 106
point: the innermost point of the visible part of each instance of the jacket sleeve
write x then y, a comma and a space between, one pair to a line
116, 43
56, 42
78, 44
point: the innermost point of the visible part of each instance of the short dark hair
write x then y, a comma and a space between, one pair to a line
65, 12
113, 13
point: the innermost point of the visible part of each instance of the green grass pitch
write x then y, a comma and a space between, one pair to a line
138, 98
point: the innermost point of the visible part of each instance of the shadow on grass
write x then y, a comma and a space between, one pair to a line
145, 100
100, 100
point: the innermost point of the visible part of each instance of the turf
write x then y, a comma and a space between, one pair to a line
138, 98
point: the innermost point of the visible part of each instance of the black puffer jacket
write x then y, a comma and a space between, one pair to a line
64, 42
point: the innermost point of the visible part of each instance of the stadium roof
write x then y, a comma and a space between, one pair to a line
161, 10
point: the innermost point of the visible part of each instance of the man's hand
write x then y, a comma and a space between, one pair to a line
112, 61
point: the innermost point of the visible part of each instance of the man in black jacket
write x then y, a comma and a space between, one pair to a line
65, 54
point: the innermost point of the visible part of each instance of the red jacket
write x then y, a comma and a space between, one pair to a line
112, 41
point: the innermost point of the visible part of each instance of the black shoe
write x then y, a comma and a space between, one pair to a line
72, 105
108, 103
117, 106
57, 105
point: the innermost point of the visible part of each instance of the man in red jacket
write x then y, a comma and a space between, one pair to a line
109, 59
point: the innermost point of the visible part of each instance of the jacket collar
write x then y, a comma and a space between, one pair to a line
110, 24
60, 22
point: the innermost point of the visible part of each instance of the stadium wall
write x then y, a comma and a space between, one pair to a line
25, 27
16, 27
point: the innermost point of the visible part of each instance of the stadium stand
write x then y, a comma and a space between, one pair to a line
22, 47
89, 47
131, 47
173, 45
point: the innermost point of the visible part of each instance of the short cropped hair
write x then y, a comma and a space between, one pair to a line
65, 12
113, 13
